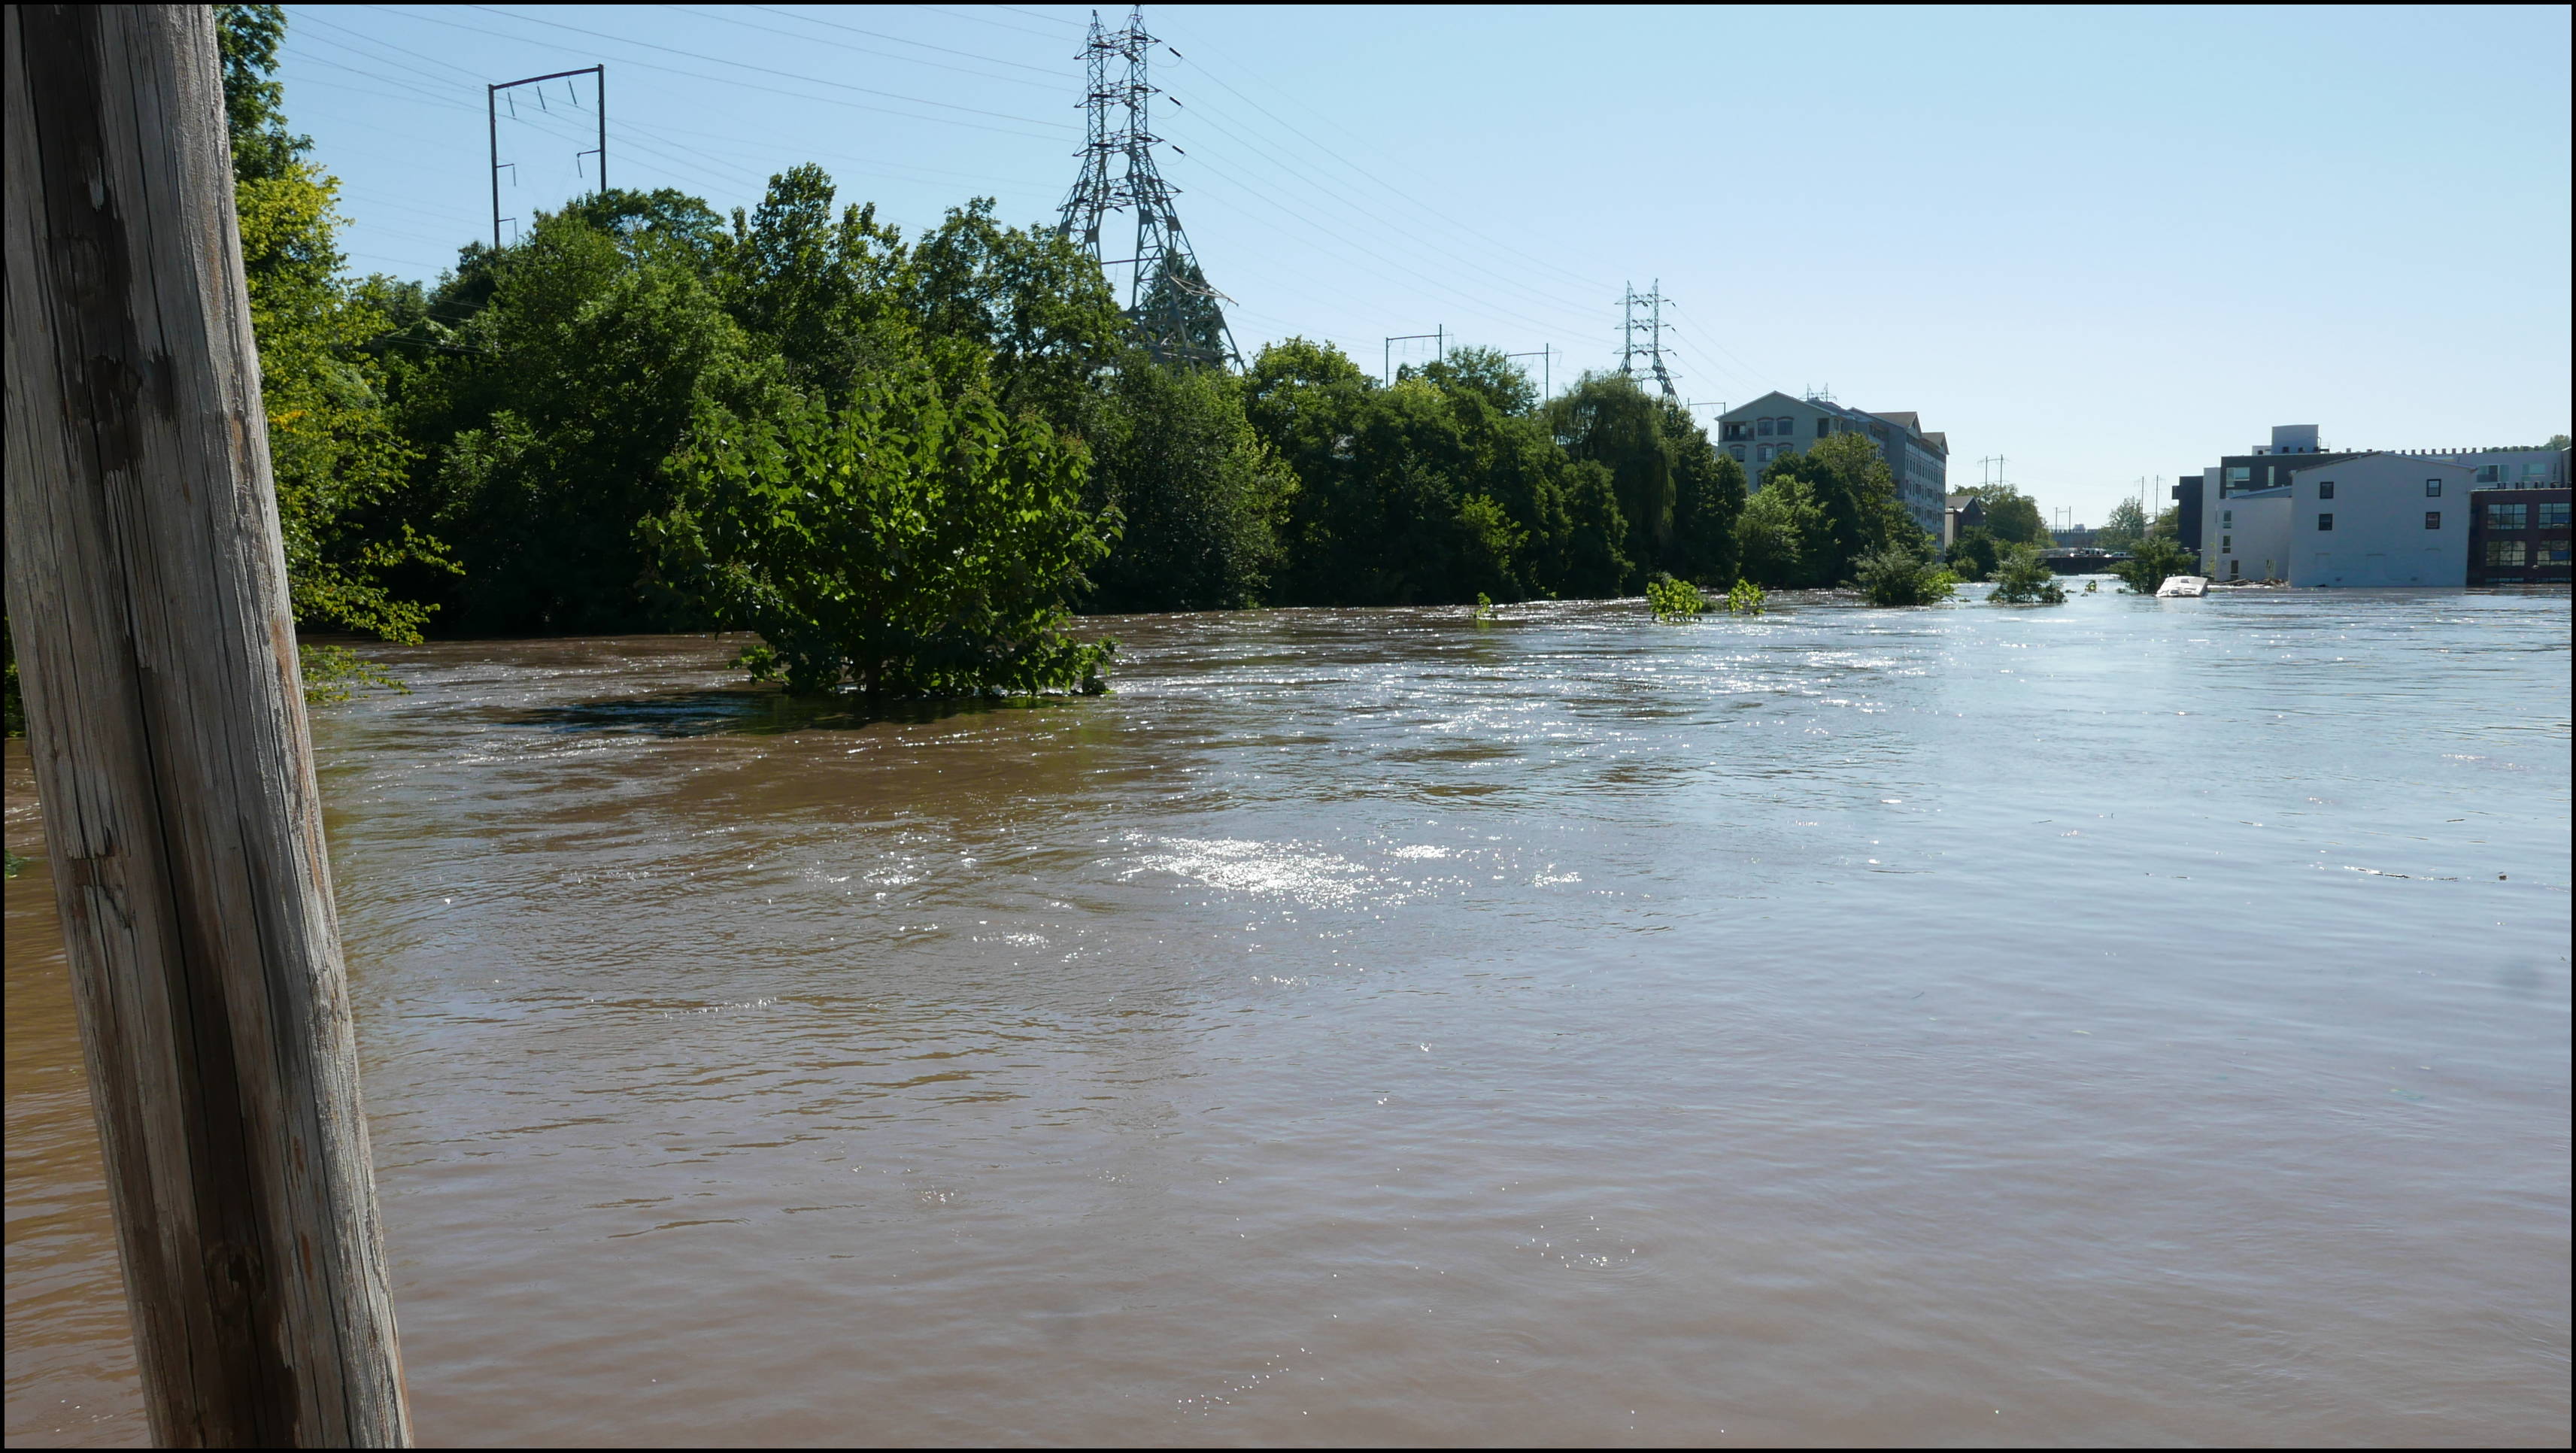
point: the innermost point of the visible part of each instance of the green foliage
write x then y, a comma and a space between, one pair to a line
2012, 517
1897, 576
336, 458
1670, 599
1780, 537
246, 41
2126, 526
1032, 304
1607, 419
2022, 578
2151, 561
1431, 490
1974, 553
1853, 494
336, 673
915, 543
1200, 493
1745, 599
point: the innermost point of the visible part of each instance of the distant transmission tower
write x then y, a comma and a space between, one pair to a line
1175, 313
1653, 327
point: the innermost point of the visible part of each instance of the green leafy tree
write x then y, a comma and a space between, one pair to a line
1897, 576
1708, 498
1607, 419
338, 462
817, 289
579, 378
2126, 526
914, 543
2022, 578
1200, 493
1781, 537
246, 42
1034, 307
1486, 372
1595, 566
2151, 562
1432, 490
1974, 553
2012, 517
1854, 495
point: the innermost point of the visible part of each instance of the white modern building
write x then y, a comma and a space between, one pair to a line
1757, 433
2295, 448
2381, 519
2249, 536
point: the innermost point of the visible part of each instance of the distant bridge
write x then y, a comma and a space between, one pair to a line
2081, 562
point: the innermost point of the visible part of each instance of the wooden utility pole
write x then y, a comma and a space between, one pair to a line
147, 601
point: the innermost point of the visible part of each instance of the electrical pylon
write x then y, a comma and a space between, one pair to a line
1653, 327
1176, 314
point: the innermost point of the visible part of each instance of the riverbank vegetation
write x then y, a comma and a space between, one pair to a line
909, 462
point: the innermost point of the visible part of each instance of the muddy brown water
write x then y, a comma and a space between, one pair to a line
2135, 1022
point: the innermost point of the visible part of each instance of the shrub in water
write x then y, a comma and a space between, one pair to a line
1668, 597
1744, 599
1896, 576
2021, 578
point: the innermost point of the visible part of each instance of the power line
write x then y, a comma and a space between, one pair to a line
1054, 73
753, 85
764, 70
986, 20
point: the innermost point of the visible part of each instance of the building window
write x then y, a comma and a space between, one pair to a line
2227, 542
2490, 474
2234, 566
1824, 427
2536, 469
1765, 426
2240, 474
2432, 519
2325, 522
2553, 516
2226, 519
2504, 552
2504, 516
2432, 489
1737, 450
2550, 552
2325, 489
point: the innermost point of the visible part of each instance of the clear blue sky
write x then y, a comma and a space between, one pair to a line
2102, 244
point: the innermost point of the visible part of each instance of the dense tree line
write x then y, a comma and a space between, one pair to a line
906, 462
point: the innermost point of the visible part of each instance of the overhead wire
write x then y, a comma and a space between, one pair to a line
764, 70
1055, 72
748, 85
987, 20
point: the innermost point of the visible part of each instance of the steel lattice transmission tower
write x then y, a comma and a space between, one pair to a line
1176, 314
1653, 327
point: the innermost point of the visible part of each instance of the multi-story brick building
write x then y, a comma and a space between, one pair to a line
2518, 537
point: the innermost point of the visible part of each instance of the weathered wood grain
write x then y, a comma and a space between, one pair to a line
147, 599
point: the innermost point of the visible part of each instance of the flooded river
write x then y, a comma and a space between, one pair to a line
2135, 1022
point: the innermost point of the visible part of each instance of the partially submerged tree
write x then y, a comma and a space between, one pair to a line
910, 542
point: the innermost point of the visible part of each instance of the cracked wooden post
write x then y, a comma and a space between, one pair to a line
147, 599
